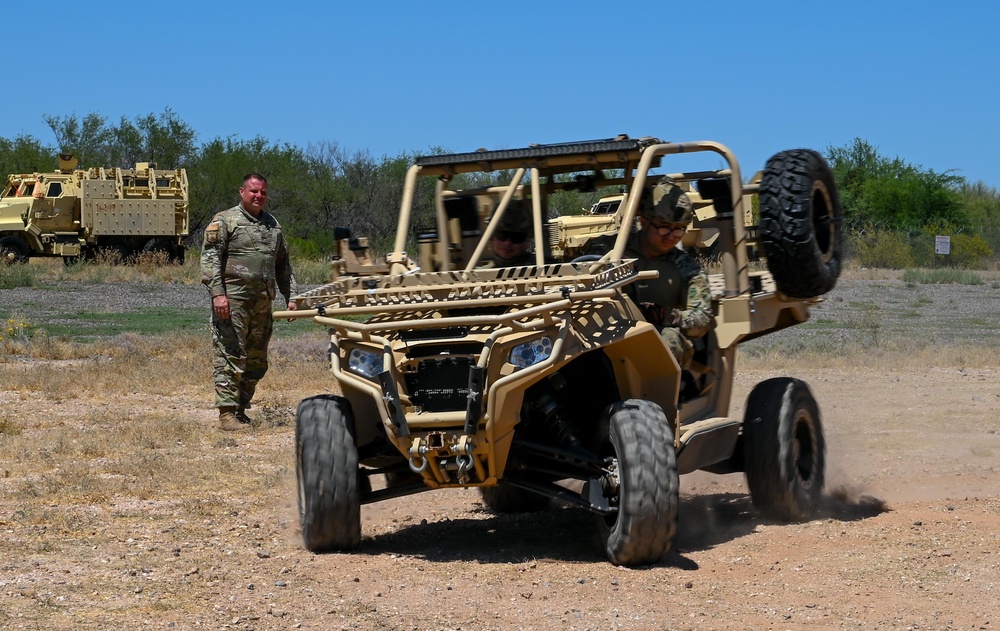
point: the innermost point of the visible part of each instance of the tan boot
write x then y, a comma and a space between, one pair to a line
228, 421
241, 416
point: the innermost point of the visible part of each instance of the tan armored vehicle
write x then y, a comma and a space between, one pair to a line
545, 383
353, 256
76, 213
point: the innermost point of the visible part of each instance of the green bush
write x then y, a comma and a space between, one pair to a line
313, 249
941, 276
882, 248
16, 275
312, 271
897, 250
969, 251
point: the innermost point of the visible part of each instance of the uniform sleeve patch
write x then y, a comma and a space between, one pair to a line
212, 233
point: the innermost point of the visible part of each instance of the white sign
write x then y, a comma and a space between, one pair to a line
942, 245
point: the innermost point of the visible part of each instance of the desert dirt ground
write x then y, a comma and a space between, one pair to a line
202, 530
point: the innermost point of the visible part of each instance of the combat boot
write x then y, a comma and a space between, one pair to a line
241, 416
228, 421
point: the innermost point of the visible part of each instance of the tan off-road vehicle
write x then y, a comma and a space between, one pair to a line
544, 382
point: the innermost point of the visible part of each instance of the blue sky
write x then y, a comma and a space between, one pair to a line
918, 80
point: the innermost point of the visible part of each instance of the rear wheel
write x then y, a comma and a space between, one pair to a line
784, 449
643, 484
114, 254
327, 473
800, 223
13, 250
173, 251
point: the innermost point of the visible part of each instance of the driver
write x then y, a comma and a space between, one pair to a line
679, 300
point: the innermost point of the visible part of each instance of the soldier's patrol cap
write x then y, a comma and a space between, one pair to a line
668, 202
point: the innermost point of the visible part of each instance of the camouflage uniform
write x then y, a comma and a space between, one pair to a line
679, 301
682, 295
246, 259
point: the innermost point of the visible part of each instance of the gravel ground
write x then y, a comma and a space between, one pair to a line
908, 538
865, 312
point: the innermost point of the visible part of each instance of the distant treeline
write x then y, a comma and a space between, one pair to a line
892, 209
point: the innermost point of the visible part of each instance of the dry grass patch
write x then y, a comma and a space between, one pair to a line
891, 355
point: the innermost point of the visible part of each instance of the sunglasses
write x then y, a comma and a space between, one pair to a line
513, 237
665, 229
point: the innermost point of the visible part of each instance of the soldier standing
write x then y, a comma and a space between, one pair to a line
244, 260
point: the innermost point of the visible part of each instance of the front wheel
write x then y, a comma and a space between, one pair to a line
642, 482
784, 449
13, 250
326, 467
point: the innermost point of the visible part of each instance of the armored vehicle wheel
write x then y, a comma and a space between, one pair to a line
506, 498
639, 447
114, 254
12, 250
174, 252
326, 466
800, 223
784, 449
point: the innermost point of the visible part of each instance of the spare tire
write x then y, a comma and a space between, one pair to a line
800, 223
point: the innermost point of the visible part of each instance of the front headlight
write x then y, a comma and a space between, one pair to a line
530, 353
368, 364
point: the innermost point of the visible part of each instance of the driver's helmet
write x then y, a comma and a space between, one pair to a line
516, 218
667, 202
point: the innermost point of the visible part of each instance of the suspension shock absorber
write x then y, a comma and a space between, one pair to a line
552, 414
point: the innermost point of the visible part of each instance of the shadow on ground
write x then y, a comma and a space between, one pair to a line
569, 535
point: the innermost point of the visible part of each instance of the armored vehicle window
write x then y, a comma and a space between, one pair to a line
55, 190
607, 208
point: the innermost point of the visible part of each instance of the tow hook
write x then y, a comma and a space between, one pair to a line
418, 463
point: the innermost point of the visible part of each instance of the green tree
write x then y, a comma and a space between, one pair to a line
216, 174
25, 154
89, 138
982, 207
165, 140
891, 194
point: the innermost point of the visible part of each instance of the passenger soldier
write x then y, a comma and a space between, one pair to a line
244, 261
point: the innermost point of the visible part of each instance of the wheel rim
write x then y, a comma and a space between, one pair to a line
804, 450
611, 485
823, 225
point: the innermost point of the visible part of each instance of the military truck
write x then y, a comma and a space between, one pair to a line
545, 383
352, 256
83, 213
